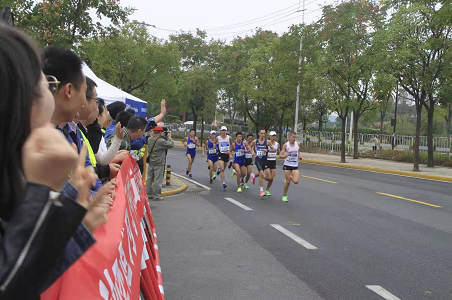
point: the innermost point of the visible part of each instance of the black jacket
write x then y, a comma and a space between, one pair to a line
33, 242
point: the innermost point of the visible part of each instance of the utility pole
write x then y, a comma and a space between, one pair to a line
297, 105
394, 121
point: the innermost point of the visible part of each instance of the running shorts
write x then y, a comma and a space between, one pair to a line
240, 163
192, 152
271, 164
289, 168
248, 162
214, 159
261, 164
223, 157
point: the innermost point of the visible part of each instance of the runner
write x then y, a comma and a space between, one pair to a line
190, 142
212, 155
290, 151
273, 150
224, 143
240, 147
261, 148
248, 161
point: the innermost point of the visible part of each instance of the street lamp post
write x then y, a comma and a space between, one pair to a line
394, 123
297, 105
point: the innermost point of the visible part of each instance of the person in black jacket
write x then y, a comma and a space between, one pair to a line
36, 220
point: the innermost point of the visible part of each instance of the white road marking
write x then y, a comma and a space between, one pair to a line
382, 292
238, 204
192, 181
294, 237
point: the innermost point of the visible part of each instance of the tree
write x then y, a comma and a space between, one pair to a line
135, 62
66, 22
418, 37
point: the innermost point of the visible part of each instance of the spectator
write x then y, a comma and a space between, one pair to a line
102, 154
134, 130
374, 141
131, 110
157, 146
123, 118
70, 97
114, 109
30, 206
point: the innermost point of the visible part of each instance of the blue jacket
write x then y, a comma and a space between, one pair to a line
110, 130
135, 144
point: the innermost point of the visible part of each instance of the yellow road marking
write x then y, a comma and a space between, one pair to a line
318, 179
398, 197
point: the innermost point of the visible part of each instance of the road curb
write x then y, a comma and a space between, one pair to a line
404, 173
175, 191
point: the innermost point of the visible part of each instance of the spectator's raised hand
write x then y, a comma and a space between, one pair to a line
120, 156
119, 132
48, 158
82, 178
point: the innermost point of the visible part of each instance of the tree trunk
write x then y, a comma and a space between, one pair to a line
449, 115
355, 135
320, 125
430, 113
195, 118
382, 118
281, 126
202, 128
418, 132
344, 139
304, 124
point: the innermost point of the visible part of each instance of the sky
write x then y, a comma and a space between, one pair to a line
222, 19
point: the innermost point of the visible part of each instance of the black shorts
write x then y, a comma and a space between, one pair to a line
271, 164
289, 168
248, 162
261, 164
223, 157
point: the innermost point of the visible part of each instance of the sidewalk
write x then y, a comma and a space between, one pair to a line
377, 165
176, 186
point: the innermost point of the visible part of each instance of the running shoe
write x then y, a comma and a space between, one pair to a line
239, 190
186, 173
211, 181
214, 176
233, 174
224, 185
253, 179
267, 193
284, 198
218, 171
262, 194
189, 175
245, 186
230, 164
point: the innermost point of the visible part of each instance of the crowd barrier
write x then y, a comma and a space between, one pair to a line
124, 263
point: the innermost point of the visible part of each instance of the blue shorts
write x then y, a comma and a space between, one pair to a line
192, 152
214, 159
241, 163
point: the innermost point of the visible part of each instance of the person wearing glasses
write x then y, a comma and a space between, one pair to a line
35, 192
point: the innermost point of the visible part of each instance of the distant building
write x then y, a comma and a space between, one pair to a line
6, 16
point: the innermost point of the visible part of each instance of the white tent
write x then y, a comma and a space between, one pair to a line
111, 93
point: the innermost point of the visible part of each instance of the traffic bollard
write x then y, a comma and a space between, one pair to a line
168, 175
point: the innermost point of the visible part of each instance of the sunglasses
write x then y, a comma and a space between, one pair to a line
53, 84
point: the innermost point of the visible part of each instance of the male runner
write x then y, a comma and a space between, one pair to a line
190, 142
290, 151
248, 161
273, 150
224, 143
212, 155
240, 147
261, 148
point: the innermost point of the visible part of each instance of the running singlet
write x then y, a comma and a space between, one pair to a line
239, 155
223, 144
260, 149
191, 144
272, 155
292, 159
211, 150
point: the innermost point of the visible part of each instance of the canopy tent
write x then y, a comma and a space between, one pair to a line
111, 94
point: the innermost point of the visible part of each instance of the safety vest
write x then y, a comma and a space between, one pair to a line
103, 131
92, 158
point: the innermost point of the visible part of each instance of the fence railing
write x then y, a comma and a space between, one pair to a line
332, 140
184, 129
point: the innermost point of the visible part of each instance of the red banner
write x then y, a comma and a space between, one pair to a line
110, 269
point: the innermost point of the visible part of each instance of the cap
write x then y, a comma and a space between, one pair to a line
157, 128
150, 124
224, 128
213, 132
272, 133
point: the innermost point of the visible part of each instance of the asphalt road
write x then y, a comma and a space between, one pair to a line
344, 234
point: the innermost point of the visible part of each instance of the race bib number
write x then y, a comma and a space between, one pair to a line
239, 153
248, 155
260, 153
224, 148
191, 146
212, 151
292, 157
271, 154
